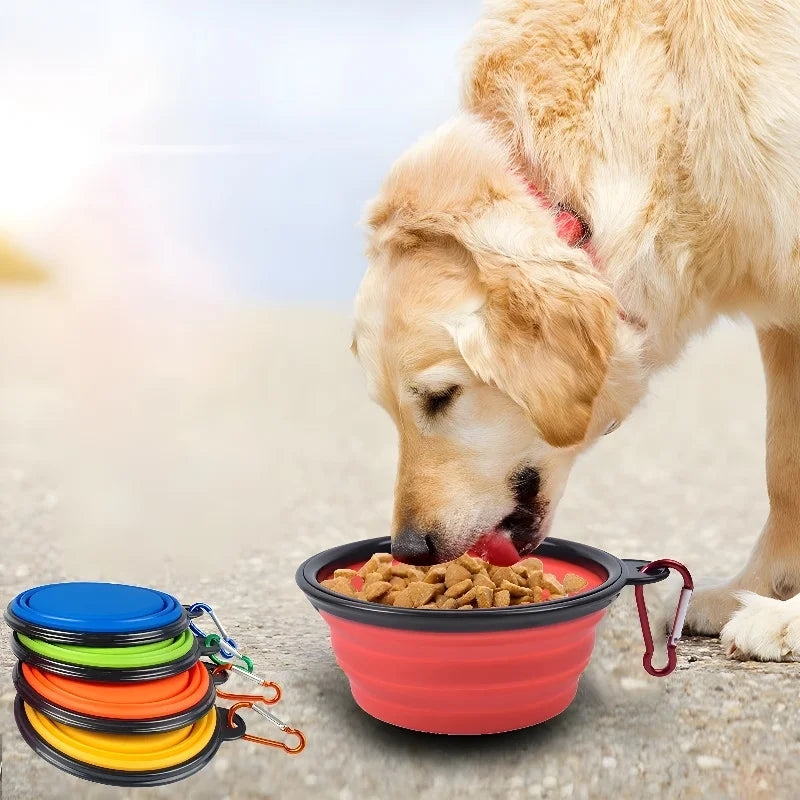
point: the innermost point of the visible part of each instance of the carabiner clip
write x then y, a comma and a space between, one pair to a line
677, 624
230, 643
260, 681
213, 639
251, 704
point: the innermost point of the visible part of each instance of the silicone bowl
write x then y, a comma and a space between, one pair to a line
469, 672
144, 707
135, 663
100, 614
117, 759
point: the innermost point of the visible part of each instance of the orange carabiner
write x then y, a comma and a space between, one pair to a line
251, 704
255, 697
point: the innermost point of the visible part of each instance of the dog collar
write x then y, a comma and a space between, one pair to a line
570, 225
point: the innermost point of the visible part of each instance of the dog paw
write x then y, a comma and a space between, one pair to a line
709, 610
763, 629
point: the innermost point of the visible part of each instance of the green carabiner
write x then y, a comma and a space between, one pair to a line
214, 639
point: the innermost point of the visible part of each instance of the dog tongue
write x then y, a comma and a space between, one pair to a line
495, 548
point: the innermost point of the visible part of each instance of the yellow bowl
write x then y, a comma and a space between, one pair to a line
145, 759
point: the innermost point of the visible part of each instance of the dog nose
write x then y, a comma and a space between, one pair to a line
525, 483
413, 547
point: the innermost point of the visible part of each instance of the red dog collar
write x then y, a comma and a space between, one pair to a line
570, 225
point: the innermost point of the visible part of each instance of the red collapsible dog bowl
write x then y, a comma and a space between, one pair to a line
483, 670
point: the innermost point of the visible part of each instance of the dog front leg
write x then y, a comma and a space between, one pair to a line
758, 611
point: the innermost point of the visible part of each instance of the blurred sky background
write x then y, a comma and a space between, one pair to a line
206, 150
191, 176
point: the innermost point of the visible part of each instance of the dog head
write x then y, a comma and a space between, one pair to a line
497, 348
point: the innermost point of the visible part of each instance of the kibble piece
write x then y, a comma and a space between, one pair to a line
429, 605
484, 596
403, 599
435, 574
373, 577
468, 562
407, 571
552, 584
345, 573
514, 590
469, 597
537, 594
457, 589
344, 586
370, 566
455, 573
535, 578
484, 580
500, 574
532, 563
446, 602
376, 589
341, 585
519, 600
398, 583
383, 558
502, 598
520, 569
572, 583
420, 593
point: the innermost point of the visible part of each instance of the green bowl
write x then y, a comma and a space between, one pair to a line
140, 655
137, 662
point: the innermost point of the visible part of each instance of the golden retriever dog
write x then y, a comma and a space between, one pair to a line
502, 342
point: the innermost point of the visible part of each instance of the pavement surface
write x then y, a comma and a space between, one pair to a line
208, 453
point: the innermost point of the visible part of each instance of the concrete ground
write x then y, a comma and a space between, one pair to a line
208, 454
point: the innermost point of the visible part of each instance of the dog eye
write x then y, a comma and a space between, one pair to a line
436, 402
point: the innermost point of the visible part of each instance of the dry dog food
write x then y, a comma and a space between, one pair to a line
467, 582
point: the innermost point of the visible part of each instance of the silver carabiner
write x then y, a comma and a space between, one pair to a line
230, 644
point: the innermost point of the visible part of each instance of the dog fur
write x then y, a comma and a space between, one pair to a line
500, 351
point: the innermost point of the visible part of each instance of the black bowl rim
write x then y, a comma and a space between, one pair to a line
620, 572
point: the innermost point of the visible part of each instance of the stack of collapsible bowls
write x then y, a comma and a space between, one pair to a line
110, 686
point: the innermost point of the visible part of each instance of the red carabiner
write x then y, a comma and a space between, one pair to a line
677, 624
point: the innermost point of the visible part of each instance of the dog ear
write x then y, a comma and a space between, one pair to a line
545, 332
546, 329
